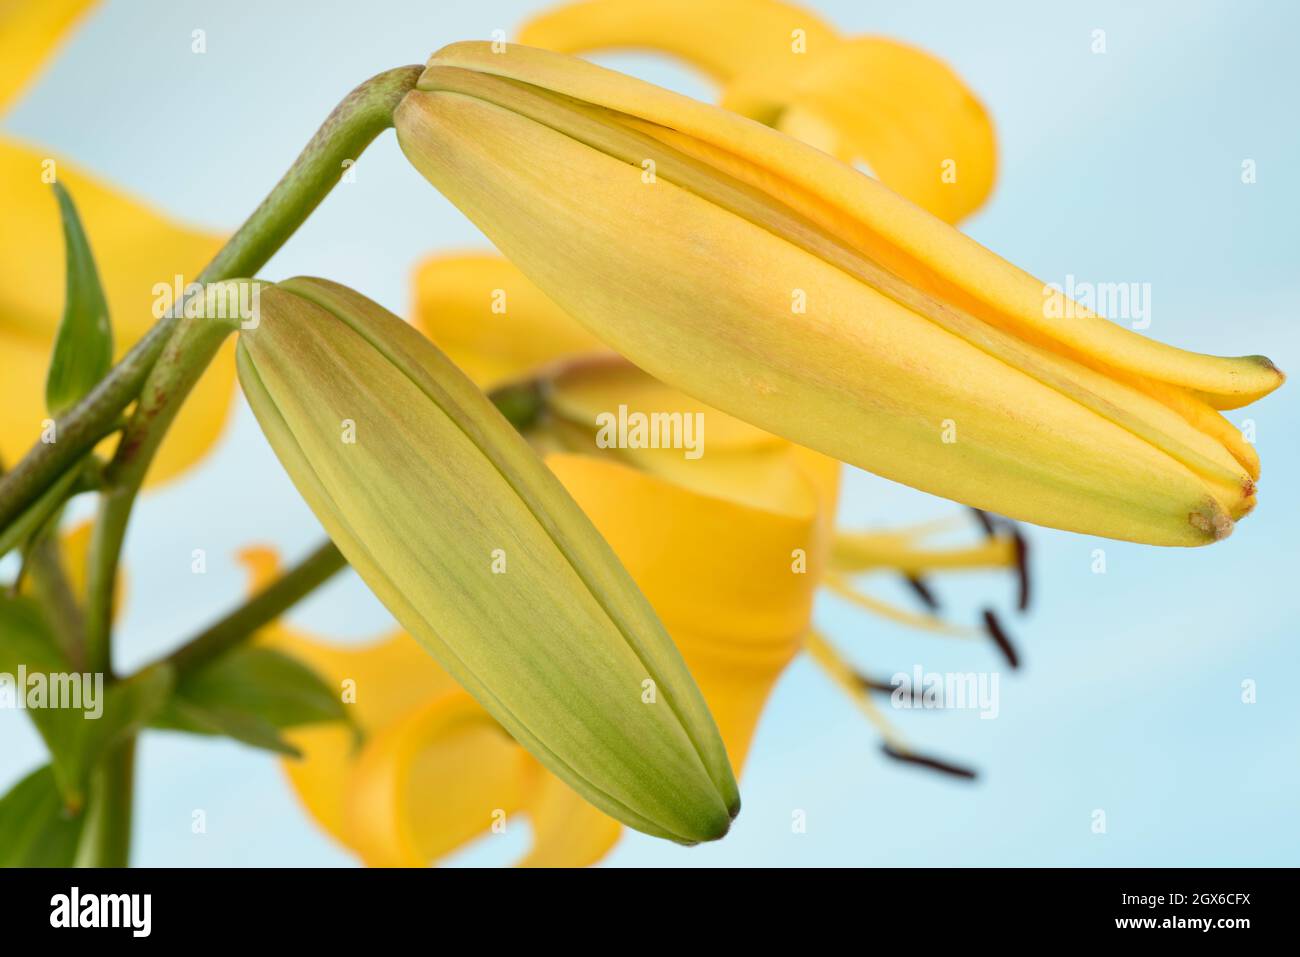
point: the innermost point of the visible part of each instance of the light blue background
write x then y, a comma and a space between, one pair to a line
1116, 167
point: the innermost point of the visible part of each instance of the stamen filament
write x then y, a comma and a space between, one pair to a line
840, 586
839, 671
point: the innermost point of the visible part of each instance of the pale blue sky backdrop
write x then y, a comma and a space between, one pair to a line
1122, 167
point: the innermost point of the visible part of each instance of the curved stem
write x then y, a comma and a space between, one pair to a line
262, 609
187, 355
356, 121
359, 118
80, 429
180, 348
106, 834
54, 592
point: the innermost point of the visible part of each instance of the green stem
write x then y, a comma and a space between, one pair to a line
184, 348
356, 121
106, 833
54, 592
359, 118
522, 403
187, 355
262, 609
80, 429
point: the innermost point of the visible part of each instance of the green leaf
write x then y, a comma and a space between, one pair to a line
76, 737
20, 531
26, 637
251, 694
182, 715
83, 348
35, 828
28, 649
128, 706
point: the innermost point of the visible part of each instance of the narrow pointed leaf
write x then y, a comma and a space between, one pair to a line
83, 348
35, 828
251, 694
127, 707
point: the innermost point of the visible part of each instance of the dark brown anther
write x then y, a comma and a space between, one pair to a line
986, 521
1022, 566
873, 684
934, 764
922, 591
994, 628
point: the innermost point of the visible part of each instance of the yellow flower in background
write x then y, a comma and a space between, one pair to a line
730, 548
900, 110
786, 288
491, 321
30, 32
431, 771
135, 247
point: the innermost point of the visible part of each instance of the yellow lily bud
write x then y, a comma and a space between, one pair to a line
477, 550
901, 110
782, 286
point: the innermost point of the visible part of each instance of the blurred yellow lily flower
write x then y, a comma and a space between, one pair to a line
136, 249
730, 549
902, 111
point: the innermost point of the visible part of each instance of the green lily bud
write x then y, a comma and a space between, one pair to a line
479, 552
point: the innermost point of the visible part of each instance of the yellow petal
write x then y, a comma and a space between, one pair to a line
722, 575
30, 30
894, 106
433, 762
135, 248
902, 551
914, 246
723, 38
567, 831
429, 783
385, 680
23, 365
584, 390
75, 546
394, 682
491, 320
899, 109
730, 459
387, 677
390, 679
712, 541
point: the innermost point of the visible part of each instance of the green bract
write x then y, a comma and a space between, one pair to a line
83, 349
480, 553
